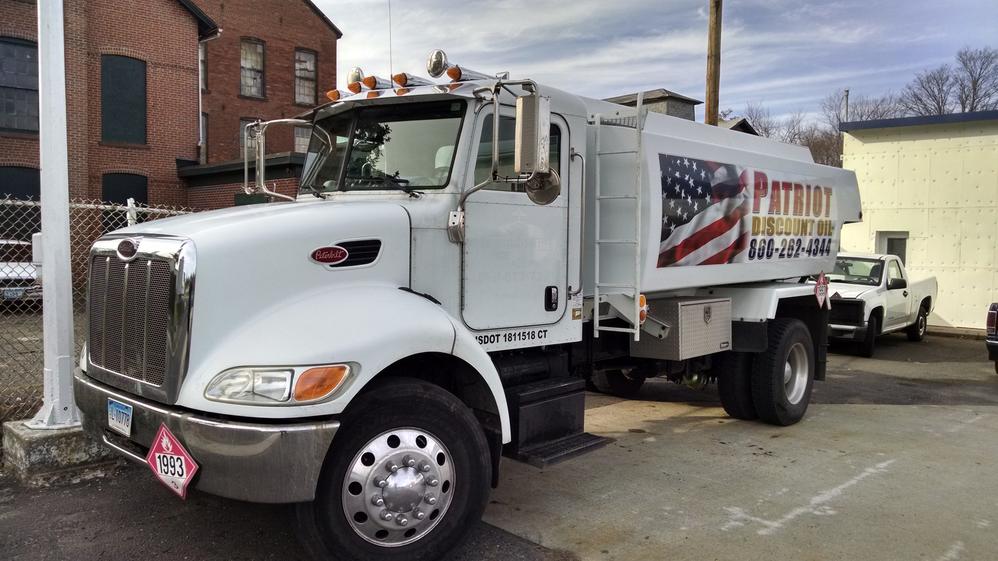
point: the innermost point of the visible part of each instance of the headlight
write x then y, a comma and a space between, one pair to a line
251, 385
272, 386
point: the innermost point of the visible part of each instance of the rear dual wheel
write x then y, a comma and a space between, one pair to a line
406, 478
774, 385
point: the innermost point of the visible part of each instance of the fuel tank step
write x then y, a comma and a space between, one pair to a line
548, 418
555, 451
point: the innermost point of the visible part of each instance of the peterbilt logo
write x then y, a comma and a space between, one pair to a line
331, 255
128, 249
706, 314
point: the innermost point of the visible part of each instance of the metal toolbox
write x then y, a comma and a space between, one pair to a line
692, 327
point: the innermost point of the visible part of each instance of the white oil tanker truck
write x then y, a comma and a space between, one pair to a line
464, 257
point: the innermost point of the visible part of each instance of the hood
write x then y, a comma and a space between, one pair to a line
847, 290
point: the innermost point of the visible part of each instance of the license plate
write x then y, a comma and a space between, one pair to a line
119, 417
12, 293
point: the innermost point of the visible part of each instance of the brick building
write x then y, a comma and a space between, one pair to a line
139, 123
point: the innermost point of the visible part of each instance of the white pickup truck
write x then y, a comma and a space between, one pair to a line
873, 295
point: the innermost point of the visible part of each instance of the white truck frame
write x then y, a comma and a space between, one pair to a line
862, 311
371, 350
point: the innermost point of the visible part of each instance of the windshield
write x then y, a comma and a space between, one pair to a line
857, 271
408, 146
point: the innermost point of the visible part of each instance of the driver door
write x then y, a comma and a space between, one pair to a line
515, 264
897, 299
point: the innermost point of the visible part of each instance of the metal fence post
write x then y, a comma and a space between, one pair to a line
59, 408
133, 215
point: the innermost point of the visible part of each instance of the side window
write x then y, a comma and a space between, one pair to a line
18, 85
507, 132
893, 271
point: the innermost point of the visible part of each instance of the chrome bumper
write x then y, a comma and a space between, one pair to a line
264, 463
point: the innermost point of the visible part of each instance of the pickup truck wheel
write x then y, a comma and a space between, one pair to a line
783, 374
916, 331
406, 477
869, 343
619, 382
734, 384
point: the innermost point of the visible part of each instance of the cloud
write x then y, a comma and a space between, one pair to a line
788, 53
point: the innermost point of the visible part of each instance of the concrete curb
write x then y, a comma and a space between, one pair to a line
957, 332
41, 458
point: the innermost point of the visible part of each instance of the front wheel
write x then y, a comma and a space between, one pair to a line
869, 342
406, 477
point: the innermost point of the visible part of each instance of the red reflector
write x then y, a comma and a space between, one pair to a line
993, 319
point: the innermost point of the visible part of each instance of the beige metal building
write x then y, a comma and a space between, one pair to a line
929, 187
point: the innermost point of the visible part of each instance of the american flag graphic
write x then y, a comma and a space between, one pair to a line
705, 212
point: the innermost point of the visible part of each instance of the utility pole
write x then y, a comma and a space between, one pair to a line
713, 62
59, 409
847, 104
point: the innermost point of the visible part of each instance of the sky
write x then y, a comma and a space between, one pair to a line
786, 54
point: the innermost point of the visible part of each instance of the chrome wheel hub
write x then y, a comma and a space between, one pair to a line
795, 373
398, 487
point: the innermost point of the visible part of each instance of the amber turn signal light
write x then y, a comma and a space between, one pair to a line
319, 382
642, 308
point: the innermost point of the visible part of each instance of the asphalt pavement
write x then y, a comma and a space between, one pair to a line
894, 461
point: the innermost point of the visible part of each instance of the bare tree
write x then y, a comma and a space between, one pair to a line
861, 108
930, 93
976, 77
762, 121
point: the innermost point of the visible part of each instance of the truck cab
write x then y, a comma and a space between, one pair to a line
463, 259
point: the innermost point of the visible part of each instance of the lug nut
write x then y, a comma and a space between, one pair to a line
408, 461
401, 520
424, 467
432, 482
430, 500
391, 466
381, 482
386, 516
419, 515
376, 500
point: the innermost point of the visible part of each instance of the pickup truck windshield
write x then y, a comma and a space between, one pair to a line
857, 271
399, 146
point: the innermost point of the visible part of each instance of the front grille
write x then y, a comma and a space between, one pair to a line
129, 316
846, 311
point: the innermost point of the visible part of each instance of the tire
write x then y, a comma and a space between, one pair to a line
869, 343
916, 331
734, 384
427, 426
619, 382
783, 375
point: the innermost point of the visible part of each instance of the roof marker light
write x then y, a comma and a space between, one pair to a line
458, 74
406, 80
376, 83
334, 95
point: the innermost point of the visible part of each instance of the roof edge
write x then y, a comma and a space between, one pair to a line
329, 22
206, 26
950, 118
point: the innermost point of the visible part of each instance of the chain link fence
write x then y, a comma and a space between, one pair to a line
21, 291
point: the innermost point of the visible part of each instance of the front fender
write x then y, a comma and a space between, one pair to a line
369, 326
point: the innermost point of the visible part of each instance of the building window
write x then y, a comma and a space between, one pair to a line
19, 222
251, 60
202, 67
305, 77
119, 187
123, 100
18, 85
302, 137
203, 139
242, 136
893, 243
